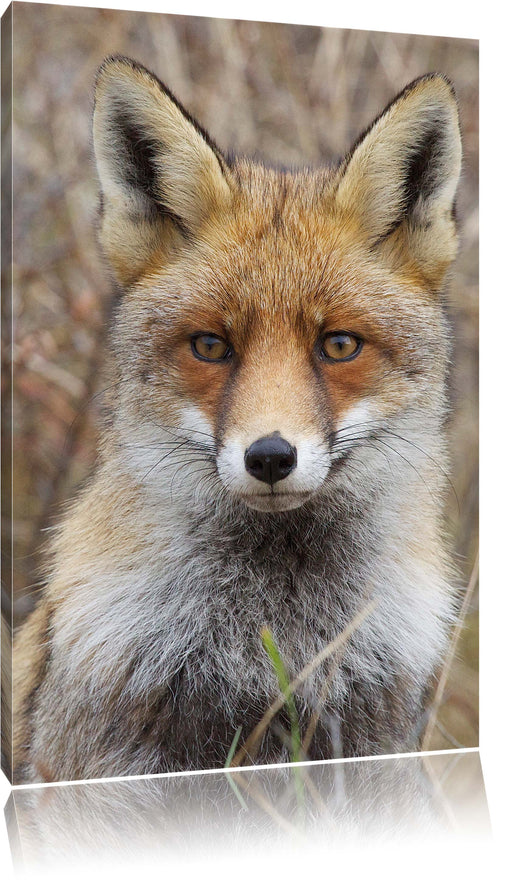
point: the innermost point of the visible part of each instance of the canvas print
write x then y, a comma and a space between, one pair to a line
240, 401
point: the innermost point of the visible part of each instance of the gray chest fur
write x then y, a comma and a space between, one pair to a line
179, 663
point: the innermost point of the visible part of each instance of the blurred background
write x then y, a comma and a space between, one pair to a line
289, 94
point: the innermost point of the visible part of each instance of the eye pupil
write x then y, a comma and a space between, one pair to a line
340, 346
210, 343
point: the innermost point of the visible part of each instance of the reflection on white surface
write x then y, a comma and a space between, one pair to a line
177, 819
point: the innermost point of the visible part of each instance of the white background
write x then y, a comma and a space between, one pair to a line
489, 23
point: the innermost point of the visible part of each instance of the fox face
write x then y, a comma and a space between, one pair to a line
270, 321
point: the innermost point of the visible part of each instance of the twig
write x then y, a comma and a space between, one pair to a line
258, 796
441, 686
315, 717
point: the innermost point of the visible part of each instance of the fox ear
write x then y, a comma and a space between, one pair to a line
399, 181
161, 175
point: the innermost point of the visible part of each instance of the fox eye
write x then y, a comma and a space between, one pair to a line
340, 346
210, 348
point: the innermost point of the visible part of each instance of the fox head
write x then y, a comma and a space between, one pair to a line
271, 321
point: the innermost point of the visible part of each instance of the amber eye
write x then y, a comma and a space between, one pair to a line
210, 347
340, 346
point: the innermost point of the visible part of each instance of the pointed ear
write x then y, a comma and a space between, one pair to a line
161, 175
399, 181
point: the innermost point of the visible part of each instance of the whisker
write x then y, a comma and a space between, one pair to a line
432, 460
404, 458
341, 437
181, 433
165, 457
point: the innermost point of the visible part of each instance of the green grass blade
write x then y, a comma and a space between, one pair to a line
231, 752
284, 685
229, 758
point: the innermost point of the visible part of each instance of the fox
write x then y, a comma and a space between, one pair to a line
273, 454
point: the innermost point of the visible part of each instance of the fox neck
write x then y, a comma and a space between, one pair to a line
283, 548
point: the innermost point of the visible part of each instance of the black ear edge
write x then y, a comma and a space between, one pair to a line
419, 168
124, 60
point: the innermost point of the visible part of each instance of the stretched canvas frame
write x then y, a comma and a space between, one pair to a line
55, 289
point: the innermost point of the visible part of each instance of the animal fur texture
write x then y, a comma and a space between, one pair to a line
274, 453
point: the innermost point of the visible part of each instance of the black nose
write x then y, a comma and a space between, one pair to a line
270, 458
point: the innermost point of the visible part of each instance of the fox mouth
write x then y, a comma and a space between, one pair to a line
275, 501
